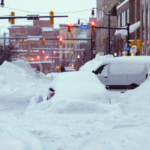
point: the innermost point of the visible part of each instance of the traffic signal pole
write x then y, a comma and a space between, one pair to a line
128, 38
109, 31
31, 17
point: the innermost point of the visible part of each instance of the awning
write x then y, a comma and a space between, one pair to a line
133, 27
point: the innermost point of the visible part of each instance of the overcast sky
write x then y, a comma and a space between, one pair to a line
45, 6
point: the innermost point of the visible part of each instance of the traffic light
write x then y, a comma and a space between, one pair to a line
139, 46
93, 12
102, 41
37, 58
2, 3
132, 43
92, 26
12, 21
72, 65
22, 40
32, 59
43, 52
52, 18
43, 41
54, 52
69, 26
60, 40
46, 57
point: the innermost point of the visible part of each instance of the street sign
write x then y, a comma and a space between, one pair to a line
127, 48
134, 49
48, 52
85, 27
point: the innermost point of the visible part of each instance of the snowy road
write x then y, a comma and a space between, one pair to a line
79, 116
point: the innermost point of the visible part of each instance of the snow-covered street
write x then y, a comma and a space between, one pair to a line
82, 115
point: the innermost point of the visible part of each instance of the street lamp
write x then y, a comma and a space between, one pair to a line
115, 54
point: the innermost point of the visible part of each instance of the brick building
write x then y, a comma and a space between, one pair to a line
67, 57
33, 35
144, 28
103, 7
129, 11
81, 48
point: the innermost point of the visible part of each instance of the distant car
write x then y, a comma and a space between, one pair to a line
69, 69
123, 72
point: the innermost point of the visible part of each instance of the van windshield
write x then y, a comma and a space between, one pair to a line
127, 68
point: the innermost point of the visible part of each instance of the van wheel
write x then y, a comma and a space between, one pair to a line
133, 86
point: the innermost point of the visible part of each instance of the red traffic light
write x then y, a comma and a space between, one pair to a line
60, 39
69, 23
43, 52
47, 57
54, 52
92, 23
37, 57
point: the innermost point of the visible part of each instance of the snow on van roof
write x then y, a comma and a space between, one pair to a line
126, 59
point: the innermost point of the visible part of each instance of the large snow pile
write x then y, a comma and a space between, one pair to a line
93, 64
81, 116
137, 101
76, 92
19, 82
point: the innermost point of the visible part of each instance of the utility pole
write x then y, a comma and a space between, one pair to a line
109, 32
91, 46
128, 37
4, 40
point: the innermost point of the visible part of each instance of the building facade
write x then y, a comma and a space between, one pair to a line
103, 8
67, 56
31, 47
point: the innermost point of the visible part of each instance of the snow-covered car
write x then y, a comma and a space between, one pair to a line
50, 93
123, 72
69, 69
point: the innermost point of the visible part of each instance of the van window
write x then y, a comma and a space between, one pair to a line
126, 68
99, 70
105, 71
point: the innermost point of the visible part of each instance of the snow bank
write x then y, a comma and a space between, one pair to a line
19, 82
75, 92
137, 101
93, 64
27, 68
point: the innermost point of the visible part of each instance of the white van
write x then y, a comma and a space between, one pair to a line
123, 73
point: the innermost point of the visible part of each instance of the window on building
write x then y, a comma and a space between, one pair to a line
128, 20
68, 35
102, 12
123, 19
63, 45
71, 35
71, 45
118, 20
68, 45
